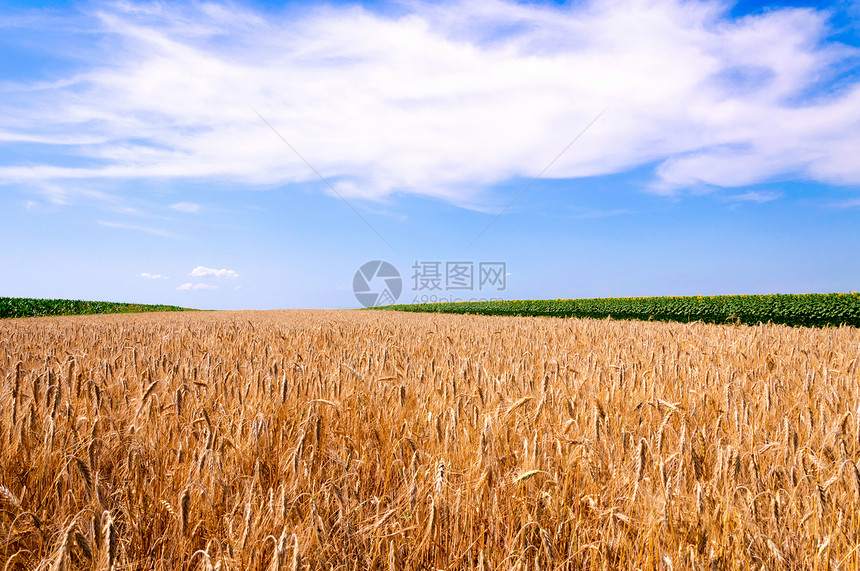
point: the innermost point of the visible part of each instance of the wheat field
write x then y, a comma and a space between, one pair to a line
381, 440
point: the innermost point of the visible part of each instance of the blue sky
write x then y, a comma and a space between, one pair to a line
721, 155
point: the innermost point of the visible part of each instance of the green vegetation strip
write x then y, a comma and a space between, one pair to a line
24, 307
810, 310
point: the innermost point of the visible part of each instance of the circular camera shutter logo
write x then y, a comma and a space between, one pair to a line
377, 283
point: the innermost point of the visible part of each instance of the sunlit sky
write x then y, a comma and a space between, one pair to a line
256, 154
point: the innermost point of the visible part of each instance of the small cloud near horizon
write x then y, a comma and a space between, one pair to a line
202, 271
150, 276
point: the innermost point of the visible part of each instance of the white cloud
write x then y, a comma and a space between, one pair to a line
189, 207
201, 271
191, 286
451, 97
150, 276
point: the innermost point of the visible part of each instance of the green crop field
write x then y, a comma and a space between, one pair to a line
811, 310
25, 307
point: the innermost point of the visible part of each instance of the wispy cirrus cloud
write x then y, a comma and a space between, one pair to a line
191, 286
150, 276
759, 196
852, 203
201, 271
187, 207
136, 228
584, 213
446, 99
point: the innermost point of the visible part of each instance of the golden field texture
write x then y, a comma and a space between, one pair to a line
377, 440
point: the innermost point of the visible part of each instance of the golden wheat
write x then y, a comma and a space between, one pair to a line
358, 440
